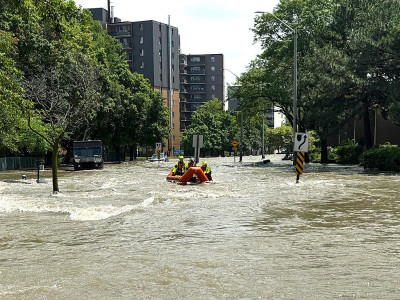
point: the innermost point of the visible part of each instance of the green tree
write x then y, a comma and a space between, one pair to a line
218, 128
62, 98
12, 104
279, 138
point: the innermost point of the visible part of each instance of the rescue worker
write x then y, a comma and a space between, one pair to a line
192, 163
180, 167
206, 170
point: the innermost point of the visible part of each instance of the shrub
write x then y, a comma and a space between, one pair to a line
384, 158
348, 152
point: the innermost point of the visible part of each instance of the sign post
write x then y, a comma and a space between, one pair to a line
158, 151
197, 144
234, 148
299, 149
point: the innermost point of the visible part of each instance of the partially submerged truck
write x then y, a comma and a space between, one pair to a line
88, 155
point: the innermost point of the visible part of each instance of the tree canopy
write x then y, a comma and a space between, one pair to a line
66, 78
348, 62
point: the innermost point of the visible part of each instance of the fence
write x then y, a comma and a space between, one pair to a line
16, 163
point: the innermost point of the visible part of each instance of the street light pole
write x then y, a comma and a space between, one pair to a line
263, 149
241, 136
294, 31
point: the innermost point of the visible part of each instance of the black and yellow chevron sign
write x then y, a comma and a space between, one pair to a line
299, 163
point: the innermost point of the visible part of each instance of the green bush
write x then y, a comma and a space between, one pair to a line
315, 155
348, 152
384, 158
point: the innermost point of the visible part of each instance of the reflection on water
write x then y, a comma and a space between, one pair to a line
124, 232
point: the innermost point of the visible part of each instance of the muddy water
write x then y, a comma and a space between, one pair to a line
124, 232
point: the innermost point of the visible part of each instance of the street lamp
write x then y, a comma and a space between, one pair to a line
294, 31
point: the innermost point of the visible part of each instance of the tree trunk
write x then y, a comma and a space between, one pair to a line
324, 151
54, 168
134, 151
130, 153
367, 127
117, 153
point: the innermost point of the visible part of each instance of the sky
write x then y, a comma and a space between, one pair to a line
205, 26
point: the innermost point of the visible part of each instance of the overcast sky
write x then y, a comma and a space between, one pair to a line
205, 26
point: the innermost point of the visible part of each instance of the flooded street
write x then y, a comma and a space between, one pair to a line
124, 232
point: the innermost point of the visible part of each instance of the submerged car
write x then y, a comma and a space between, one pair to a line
155, 157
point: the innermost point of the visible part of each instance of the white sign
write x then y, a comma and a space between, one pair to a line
301, 142
199, 139
158, 146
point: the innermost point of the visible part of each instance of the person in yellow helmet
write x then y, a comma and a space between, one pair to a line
180, 167
206, 170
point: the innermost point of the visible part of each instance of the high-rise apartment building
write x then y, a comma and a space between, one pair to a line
152, 48
202, 79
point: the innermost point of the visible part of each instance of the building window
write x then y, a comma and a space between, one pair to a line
173, 79
159, 27
159, 52
195, 78
173, 137
173, 115
160, 65
141, 26
160, 77
142, 64
212, 78
195, 59
172, 43
141, 52
173, 68
213, 87
141, 40
173, 55
121, 29
213, 68
212, 96
173, 125
195, 69
212, 59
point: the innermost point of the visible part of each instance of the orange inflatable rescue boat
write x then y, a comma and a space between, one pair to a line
201, 177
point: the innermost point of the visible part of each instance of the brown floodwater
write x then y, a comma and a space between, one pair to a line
124, 232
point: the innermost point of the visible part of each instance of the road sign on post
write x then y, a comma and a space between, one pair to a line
158, 146
301, 142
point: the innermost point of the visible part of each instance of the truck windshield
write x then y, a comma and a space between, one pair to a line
87, 151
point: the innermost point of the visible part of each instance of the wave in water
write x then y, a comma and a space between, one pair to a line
76, 213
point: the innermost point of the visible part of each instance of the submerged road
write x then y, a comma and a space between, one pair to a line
124, 232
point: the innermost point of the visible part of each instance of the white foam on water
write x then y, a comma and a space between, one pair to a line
97, 213
77, 213
147, 202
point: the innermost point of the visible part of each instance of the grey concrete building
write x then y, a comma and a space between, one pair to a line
202, 79
146, 45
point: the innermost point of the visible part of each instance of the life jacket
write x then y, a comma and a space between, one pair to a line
206, 170
179, 167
